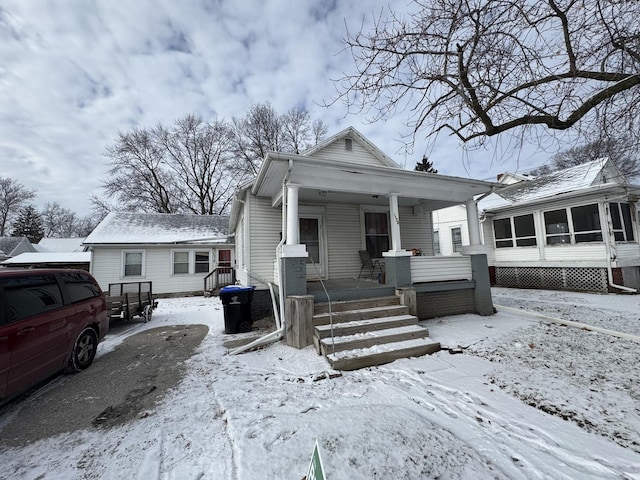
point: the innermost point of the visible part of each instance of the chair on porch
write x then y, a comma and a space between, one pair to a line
373, 267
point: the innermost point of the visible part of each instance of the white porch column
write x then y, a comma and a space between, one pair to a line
473, 222
293, 223
394, 219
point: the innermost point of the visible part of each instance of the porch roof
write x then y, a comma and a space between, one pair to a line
323, 180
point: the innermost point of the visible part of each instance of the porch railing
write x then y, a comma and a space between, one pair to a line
218, 278
440, 269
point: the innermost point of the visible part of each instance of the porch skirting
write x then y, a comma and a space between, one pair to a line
582, 279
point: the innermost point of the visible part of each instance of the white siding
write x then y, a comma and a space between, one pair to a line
107, 268
627, 250
344, 239
583, 253
263, 235
446, 219
416, 230
440, 269
358, 154
517, 254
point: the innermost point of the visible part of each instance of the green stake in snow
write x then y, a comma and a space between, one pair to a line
315, 472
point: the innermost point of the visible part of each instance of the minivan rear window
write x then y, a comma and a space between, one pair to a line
80, 286
32, 295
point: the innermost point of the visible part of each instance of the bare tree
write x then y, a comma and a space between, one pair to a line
13, 196
59, 222
199, 156
136, 177
478, 68
257, 133
262, 130
620, 150
185, 168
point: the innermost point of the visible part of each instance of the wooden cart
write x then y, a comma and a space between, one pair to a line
131, 299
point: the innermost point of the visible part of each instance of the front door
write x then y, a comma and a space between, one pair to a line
312, 235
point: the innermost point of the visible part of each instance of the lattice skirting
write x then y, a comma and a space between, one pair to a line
556, 278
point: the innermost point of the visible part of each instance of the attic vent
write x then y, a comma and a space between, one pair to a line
348, 144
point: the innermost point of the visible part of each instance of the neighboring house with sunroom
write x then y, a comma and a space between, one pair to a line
574, 229
176, 252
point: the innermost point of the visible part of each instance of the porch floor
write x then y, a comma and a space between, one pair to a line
341, 289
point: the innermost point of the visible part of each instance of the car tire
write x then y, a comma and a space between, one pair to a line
84, 351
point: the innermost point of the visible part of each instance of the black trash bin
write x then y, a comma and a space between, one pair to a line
236, 300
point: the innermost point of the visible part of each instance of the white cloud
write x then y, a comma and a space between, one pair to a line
73, 73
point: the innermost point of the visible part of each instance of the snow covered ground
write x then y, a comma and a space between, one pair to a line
525, 400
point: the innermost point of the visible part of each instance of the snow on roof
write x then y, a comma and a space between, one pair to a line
60, 244
9, 244
571, 179
160, 228
53, 257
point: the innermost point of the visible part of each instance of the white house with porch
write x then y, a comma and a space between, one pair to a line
301, 223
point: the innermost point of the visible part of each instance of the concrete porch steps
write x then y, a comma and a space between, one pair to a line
359, 314
369, 332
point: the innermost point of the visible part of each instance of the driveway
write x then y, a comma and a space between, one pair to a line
121, 385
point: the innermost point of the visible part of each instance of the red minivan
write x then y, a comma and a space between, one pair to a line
50, 319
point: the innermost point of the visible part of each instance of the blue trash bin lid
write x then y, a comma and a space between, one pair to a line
237, 288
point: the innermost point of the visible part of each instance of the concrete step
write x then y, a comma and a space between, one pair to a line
361, 326
381, 354
372, 337
356, 304
362, 314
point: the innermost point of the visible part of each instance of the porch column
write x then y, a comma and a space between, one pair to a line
293, 223
394, 219
293, 256
478, 256
473, 222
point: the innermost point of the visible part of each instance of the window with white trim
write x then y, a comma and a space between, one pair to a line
519, 231
622, 223
202, 261
573, 225
456, 239
180, 262
133, 263
376, 233
436, 242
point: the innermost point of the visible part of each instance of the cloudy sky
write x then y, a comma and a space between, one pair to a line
75, 72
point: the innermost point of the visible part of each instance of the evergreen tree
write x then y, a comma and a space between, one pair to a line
28, 224
425, 166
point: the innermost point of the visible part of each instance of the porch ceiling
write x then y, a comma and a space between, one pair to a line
328, 181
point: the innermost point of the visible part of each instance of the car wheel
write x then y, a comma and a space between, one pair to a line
84, 351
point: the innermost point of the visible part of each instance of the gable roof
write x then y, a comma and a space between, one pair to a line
60, 245
600, 173
355, 135
49, 258
159, 228
12, 246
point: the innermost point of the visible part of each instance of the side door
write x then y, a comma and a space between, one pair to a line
37, 330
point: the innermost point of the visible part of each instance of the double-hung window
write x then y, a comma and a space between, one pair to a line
202, 262
456, 239
376, 233
133, 263
180, 262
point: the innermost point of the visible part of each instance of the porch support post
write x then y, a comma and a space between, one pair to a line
394, 219
293, 256
473, 222
480, 272
293, 225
